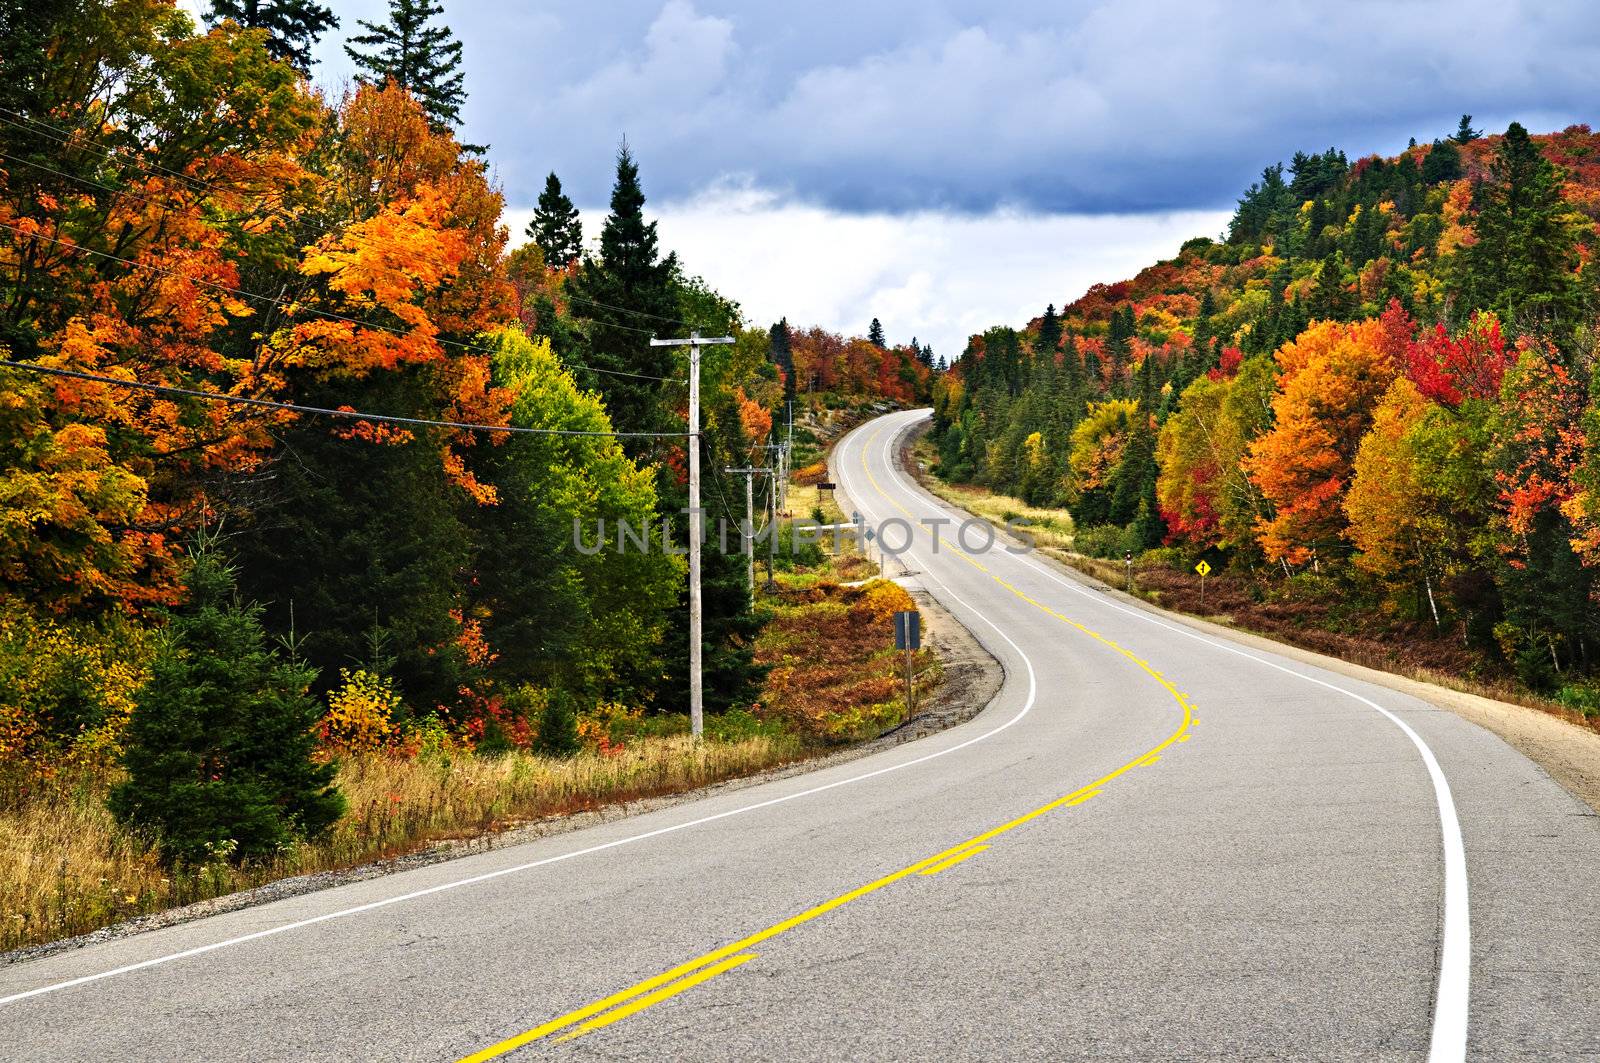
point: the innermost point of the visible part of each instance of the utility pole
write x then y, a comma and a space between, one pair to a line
695, 341
748, 532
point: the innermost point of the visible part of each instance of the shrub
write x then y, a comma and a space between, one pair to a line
219, 749
66, 688
360, 717
1100, 540
1582, 699
880, 599
558, 726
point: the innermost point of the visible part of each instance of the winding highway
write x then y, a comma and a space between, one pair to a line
1155, 843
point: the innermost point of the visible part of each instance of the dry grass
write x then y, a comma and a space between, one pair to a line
836, 675
1048, 527
67, 868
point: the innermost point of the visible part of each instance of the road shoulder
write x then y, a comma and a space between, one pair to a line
1569, 754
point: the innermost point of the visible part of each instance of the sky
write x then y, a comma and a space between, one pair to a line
946, 165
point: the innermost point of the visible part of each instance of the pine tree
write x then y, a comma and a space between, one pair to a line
1330, 299
941, 366
1465, 134
423, 59
1524, 262
556, 227
219, 748
293, 26
1119, 336
875, 335
558, 726
1049, 334
781, 352
629, 275
1443, 163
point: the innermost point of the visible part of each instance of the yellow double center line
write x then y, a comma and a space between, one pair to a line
670, 983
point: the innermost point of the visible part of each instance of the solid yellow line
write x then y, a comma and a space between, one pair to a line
954, 860
719, 957
588, 1010
659, 995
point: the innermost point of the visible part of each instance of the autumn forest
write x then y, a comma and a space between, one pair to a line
295, 433
1371, 405
212, 602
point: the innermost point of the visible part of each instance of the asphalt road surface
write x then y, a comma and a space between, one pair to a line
1154, 844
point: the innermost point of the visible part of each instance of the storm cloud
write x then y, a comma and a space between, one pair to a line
897, 106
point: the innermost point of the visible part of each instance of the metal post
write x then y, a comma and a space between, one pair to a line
911, 690
696, 529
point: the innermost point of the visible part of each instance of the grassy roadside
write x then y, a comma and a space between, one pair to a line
67, 868
1295, 617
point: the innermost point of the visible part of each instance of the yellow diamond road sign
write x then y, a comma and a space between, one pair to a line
1203, 568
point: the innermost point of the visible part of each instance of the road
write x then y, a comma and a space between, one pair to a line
1154, 844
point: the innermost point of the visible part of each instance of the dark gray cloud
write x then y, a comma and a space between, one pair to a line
909, 105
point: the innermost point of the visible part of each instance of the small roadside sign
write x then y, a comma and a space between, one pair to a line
908, 630
908, 637
1203, 568
824, 486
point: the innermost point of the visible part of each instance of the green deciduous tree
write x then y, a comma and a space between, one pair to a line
561, 615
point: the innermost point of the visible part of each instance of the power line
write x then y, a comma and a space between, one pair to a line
354, 415
67, 138
624, 310
329, 315
195, 183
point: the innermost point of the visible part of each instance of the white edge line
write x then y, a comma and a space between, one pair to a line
1452, 996
343, 913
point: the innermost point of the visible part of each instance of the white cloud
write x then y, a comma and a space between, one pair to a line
938, 276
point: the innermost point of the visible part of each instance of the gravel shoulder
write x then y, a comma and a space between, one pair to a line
970, 679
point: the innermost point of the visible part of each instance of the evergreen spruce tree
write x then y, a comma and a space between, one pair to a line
556, 227
1119, 334
1443, 163
423, 59
293, 26
927, 355
1465, 134
1330, 300
1049, 333
875, 334
558, 726
1524, 262
941, 366
629, 275
362, 541
782, 355
219, 748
